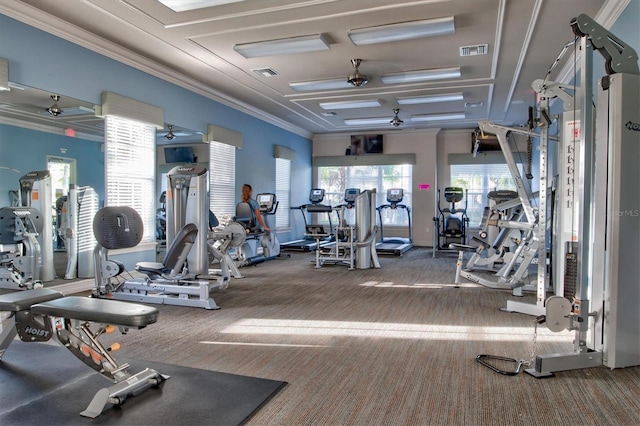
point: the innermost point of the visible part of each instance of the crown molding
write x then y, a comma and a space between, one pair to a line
38, 19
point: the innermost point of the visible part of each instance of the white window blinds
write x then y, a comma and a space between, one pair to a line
283, 192
222, 179
130, 168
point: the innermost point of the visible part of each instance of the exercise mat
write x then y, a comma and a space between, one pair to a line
44, 384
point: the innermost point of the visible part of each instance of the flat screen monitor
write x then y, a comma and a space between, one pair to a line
366, 144
179, 154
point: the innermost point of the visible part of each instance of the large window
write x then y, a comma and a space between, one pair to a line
335, 179
130, 168
283, 192
222, 179
478, 180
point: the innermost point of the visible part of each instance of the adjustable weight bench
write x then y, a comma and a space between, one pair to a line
37, 315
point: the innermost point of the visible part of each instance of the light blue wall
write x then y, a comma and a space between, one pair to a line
38, 59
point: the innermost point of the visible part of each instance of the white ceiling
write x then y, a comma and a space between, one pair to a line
196, 47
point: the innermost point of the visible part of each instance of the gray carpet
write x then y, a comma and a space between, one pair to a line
390, 346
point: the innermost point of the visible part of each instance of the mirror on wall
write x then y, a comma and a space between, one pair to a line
39, 109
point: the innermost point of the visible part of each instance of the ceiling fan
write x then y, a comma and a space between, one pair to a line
356, 78
395, 121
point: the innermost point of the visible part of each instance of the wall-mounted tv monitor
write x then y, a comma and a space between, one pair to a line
366, 144
179, 154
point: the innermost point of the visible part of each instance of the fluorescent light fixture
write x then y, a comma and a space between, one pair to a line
403, 31
184, 5
421, 75
369, 103
430, 99
285, 46
439, 117
4, 75
367, 121
333, 84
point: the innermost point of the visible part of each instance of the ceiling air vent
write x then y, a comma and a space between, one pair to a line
478, 49
265, 72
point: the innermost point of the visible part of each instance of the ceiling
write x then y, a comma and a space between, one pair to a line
523, 38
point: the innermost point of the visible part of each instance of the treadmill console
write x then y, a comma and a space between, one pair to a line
394, 195
350, 195
266, 202
316, 196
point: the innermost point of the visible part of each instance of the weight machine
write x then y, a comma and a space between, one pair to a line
600, 300
355, 245
20, 251
35, 191
183, 277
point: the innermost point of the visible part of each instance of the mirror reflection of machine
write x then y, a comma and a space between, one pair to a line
35, 192
394, 245
451, 223
76, 214
20, 258
308, 243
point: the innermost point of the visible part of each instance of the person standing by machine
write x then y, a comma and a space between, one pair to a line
247, 193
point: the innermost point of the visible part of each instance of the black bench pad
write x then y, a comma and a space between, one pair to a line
22, 300
103, 311
462, 247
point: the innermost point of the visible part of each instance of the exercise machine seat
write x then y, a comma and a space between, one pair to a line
23, 300
175, 256
246, 217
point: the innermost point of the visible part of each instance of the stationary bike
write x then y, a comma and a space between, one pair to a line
450, 226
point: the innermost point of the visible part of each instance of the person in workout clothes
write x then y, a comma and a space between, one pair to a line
247, 192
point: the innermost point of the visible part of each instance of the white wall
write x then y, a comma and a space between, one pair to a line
430, 147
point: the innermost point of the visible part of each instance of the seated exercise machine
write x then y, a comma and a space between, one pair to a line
37, 315
170, 282
394, 245
19, 248
259, 246
450, 226
496, 243
309, 243
354, 245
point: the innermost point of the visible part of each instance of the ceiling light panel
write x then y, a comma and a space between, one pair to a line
439, 117
422, 75
403, 31
285, 46
370, 103
431, 99
319, 85
184, 5
367, 121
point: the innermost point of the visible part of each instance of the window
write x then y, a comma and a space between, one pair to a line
283, 191
479, 180
130, 168
335, 179
222, 179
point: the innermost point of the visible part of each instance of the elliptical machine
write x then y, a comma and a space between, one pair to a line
450, 226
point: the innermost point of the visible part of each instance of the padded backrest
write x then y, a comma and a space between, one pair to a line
117, 227
179, 248
244, 215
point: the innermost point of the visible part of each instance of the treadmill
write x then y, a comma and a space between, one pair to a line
394, 245
309, 243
